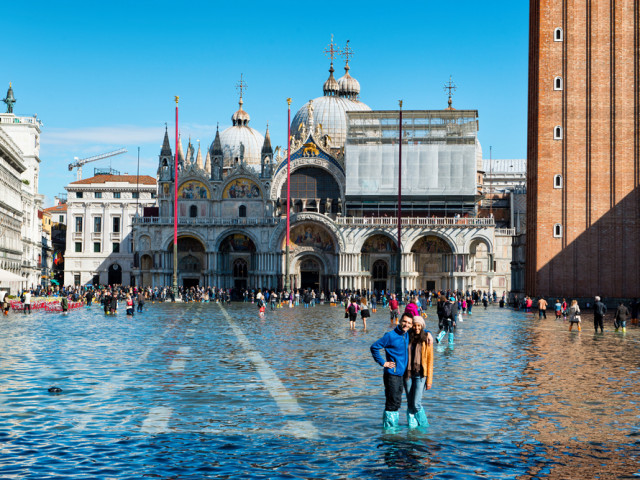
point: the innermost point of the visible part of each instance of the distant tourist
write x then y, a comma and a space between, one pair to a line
599, 311
574, 315
622, 315
542, 308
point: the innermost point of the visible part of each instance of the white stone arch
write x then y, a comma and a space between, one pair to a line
247, 175
479, 238
359, 243
275, 241
413, 239
327, 267
281, 177
232, 231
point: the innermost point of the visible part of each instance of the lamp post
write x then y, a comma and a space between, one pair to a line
287, 280
399, 253
175, 212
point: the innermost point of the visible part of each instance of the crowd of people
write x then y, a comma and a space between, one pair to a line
572, 313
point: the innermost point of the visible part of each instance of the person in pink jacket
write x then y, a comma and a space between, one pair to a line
412, 307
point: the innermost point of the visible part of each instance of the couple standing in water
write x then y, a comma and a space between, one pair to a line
408, 365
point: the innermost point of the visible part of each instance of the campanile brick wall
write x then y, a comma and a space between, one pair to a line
598, 156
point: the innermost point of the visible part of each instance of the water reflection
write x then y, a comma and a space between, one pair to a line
515, 397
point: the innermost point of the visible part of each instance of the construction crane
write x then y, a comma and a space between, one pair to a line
79, 163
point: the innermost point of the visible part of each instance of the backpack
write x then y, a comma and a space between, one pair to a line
447, 310
353, 309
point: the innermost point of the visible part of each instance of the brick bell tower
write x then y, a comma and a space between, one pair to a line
583, 172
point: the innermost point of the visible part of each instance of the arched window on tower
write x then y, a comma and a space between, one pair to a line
557, 230
193, 211
557, 35
557, 133
557, 83
242, 211
557, 181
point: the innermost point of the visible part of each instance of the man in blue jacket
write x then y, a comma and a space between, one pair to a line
396, 348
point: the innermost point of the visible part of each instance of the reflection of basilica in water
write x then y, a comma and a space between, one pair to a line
344, 175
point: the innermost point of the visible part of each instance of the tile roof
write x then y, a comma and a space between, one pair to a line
132, 179
57, 208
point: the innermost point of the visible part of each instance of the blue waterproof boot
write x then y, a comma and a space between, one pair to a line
451, 338
390, 419
440, 336
421, 417
412, 421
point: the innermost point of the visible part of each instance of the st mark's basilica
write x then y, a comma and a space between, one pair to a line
344, 180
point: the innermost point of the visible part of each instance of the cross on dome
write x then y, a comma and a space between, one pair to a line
331, 51
451, 87
241, 86
347, 52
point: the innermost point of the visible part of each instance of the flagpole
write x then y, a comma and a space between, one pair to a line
287, 280
399, 253
175, 212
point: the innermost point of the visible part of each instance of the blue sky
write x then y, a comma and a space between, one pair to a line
102, 75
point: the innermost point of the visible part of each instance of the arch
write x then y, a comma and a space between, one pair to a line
311, 235
437, 235
276, 241
557, 83
234, 231
193, 190
379, 270
237, 242
189, 264
240, 268
473, 241
185, 242
558, 35
312, 182
379, 242
242, 211
557, 132
193, 211
242, 186
280, 177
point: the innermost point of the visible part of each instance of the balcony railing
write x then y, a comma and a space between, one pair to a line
505, 232
205, 221
416, 221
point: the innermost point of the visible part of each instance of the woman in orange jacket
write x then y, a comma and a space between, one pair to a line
419, 373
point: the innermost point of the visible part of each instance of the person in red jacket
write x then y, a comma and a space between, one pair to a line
393, 309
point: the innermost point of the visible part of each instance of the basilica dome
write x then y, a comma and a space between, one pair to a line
330, 110
240, 141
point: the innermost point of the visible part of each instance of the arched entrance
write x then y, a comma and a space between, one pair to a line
310, 273
235, 260
379, 275
115, 275
240, 273
434, 262
379, 256
191, 261
146, 263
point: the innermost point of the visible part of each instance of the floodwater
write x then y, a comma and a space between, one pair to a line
206, 391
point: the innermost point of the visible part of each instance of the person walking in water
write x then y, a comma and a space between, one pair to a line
622, 315
542, 308
364, 311
419, 373
396, 347
574, 315
599, 311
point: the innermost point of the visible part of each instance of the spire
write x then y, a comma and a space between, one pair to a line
451, 87
190, 151
207, 162
166, 146
349, 86
180, 151
266, 146
331, 87
199, 158
10, 100
216, 146
240, 118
